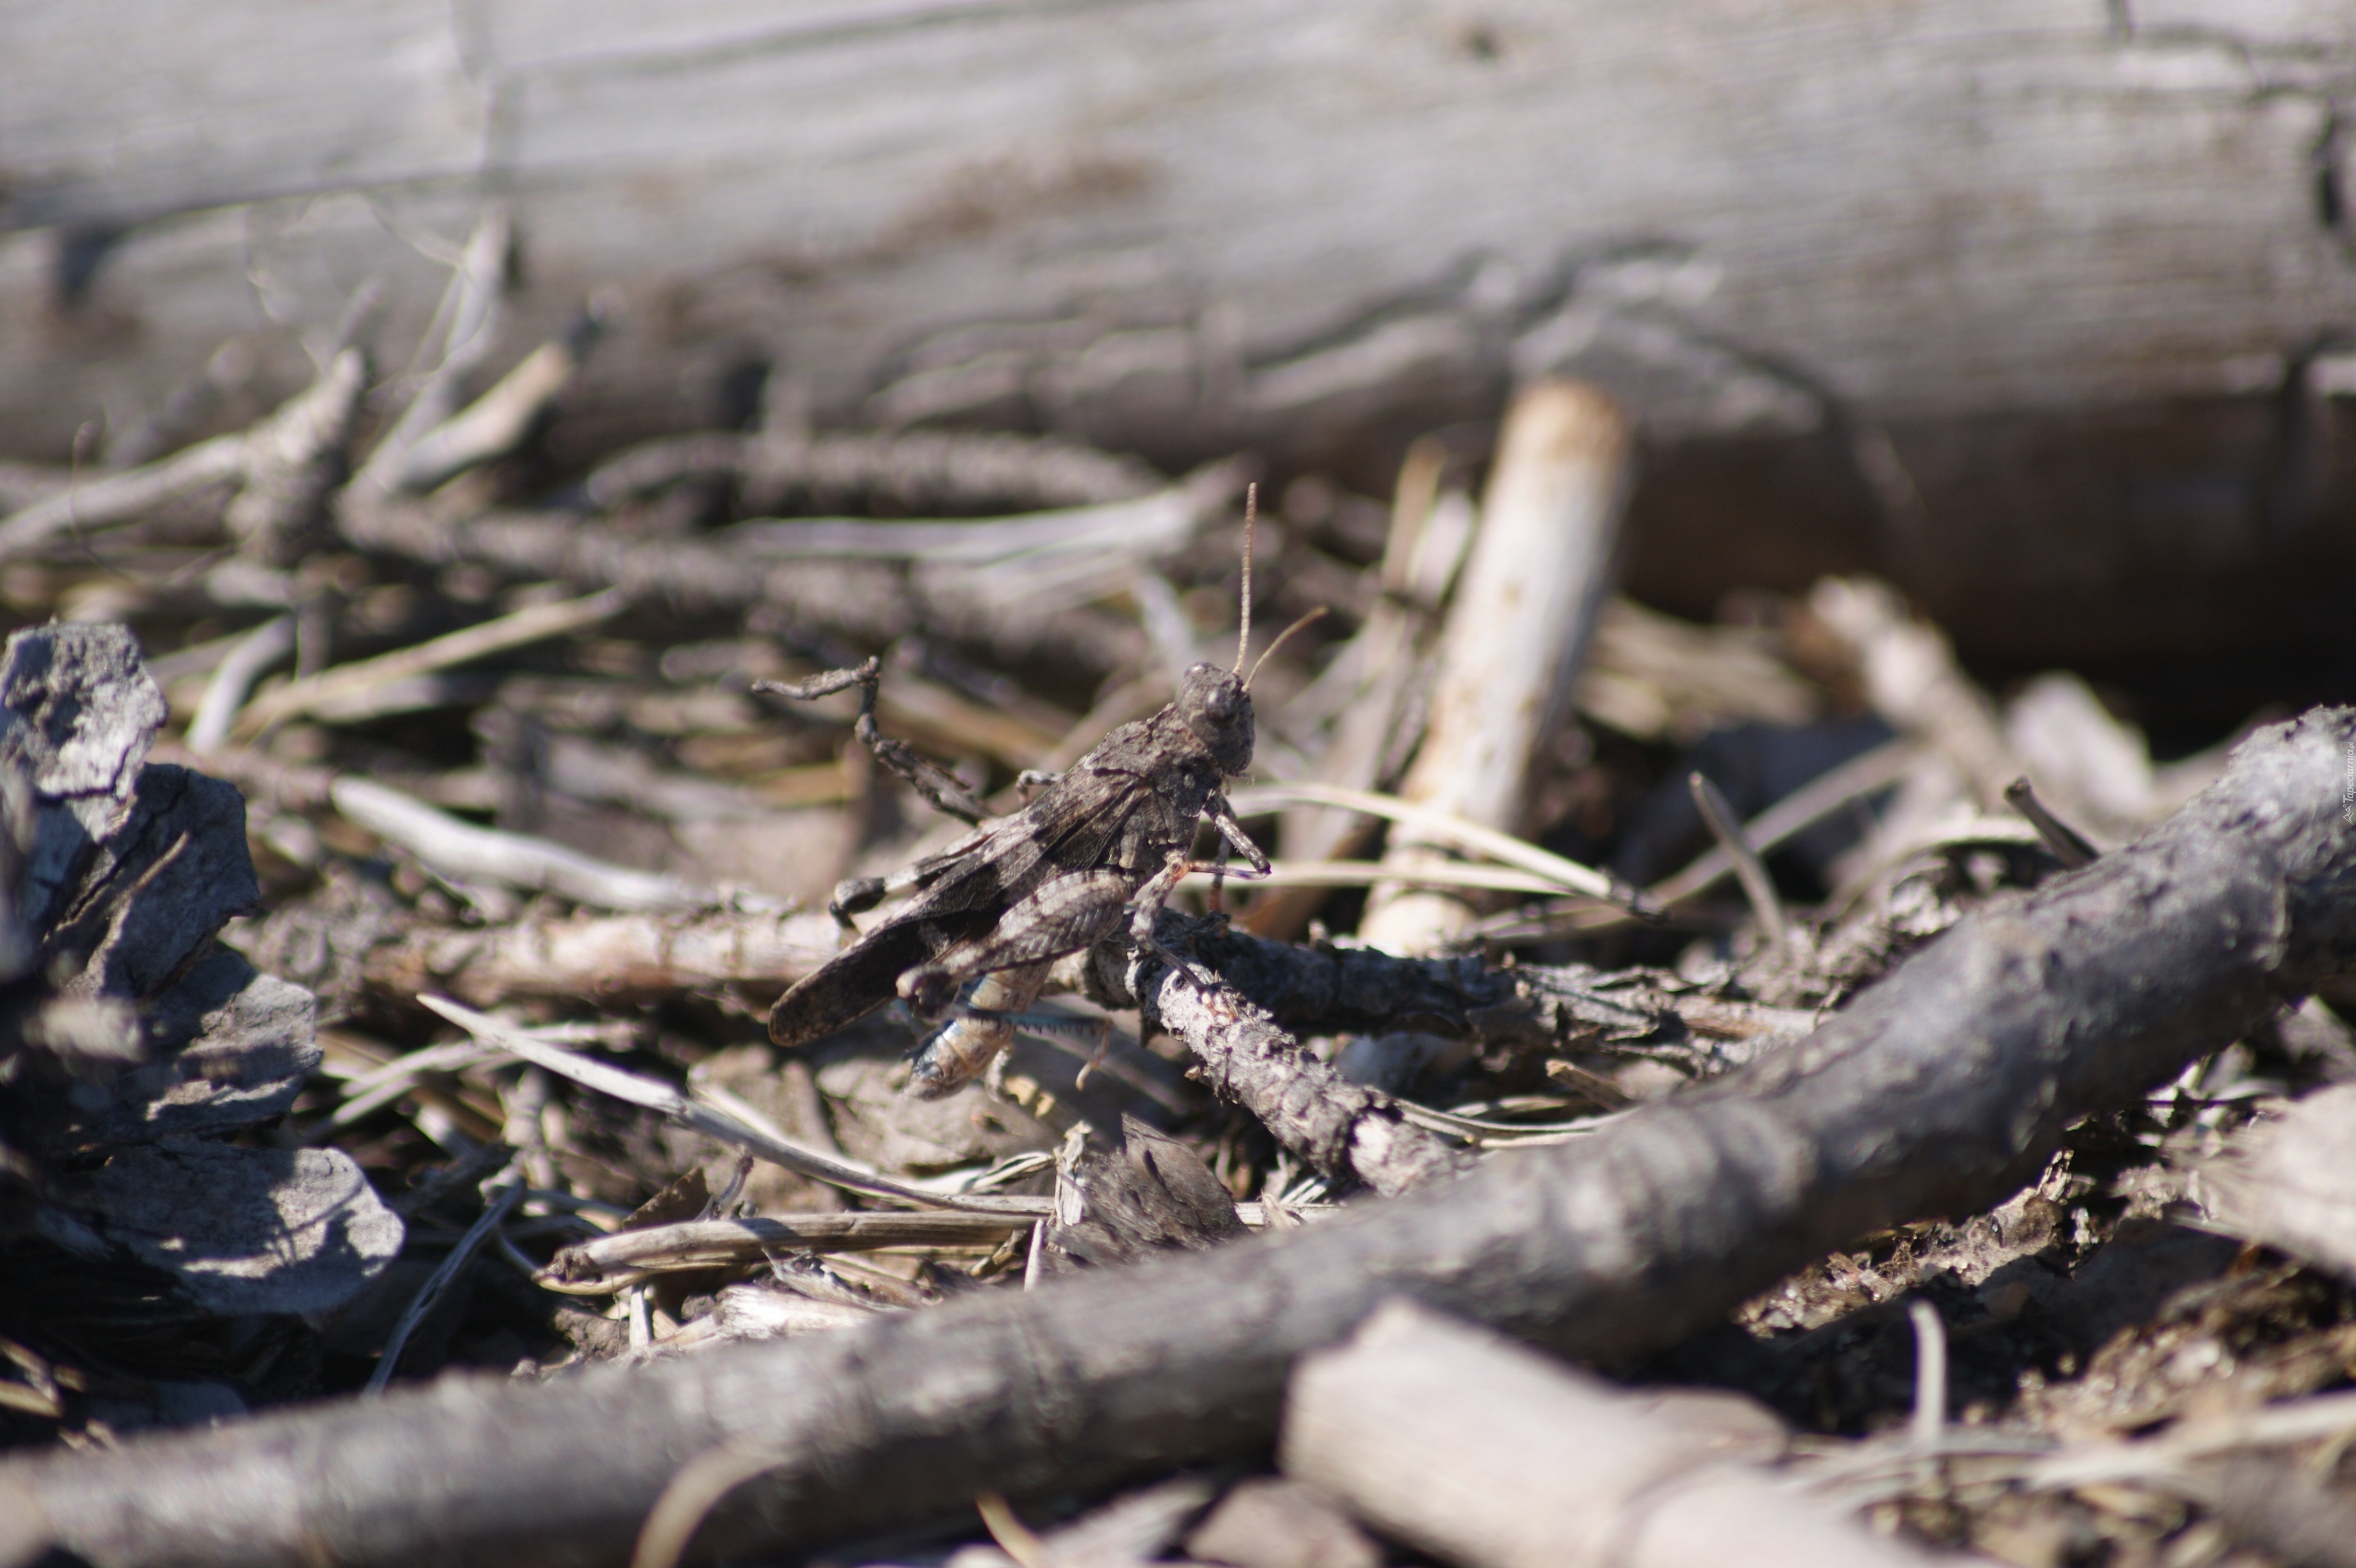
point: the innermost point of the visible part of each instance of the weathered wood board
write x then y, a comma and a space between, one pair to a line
1988, 292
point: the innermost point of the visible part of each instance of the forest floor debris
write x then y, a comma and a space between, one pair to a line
501, 736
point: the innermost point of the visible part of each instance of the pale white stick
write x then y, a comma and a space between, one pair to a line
1517, 629
1489, 1455
235, 676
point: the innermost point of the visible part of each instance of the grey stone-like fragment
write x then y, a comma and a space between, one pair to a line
269, 1231
233, 1047
156, 892
78, 710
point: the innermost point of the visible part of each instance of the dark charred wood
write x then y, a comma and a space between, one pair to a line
1245, 1057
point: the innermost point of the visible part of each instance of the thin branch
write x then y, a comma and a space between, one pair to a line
468, 315
509, 1190
1749, 869
234, 677
465, 853
498, 421
1338, 1127
2068, 845
920, 470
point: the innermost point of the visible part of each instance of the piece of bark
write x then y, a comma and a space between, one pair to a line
1152, 1194
1517, 628
1492, 1455
248, 1230
1269, 1522
154, 893
81, 712
113, 877
230, 1046
1940, 1090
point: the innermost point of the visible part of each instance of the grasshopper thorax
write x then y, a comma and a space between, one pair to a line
1219, 710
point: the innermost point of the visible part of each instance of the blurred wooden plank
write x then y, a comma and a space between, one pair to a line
1182, 226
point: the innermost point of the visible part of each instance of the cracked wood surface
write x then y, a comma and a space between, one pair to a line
1940, 1090
1763, 199
1966, 257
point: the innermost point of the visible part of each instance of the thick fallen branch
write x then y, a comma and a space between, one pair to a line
1939, 1092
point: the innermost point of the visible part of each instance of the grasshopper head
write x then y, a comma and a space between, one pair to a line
1218, 710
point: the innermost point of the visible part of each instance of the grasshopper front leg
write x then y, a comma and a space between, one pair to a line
1147, 907
1222, 816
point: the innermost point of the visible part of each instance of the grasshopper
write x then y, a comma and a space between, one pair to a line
1111, 836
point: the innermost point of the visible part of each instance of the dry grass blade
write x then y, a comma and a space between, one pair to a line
510, 1190
654, 1096
1566, 874
1804, 808
1368, 873
465, 853
349, 684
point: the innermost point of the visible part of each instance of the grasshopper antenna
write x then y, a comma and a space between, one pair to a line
1243, 630
1270, 651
